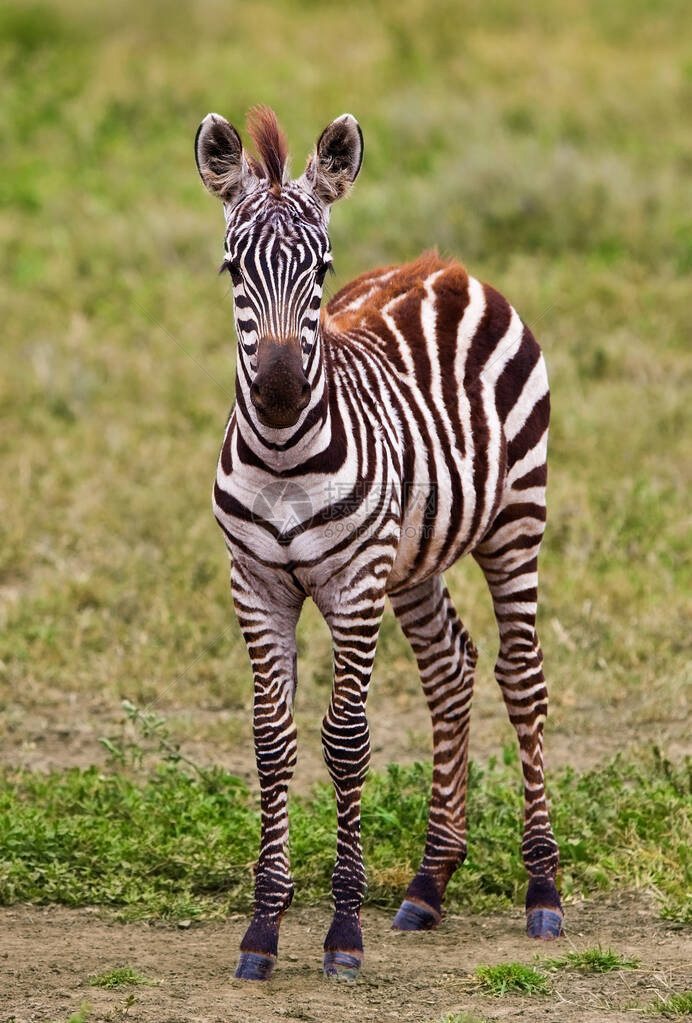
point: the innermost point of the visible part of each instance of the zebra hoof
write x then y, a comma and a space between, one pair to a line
544, 924
415, 916
254, 966
342, 965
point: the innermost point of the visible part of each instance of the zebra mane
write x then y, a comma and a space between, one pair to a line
270, 143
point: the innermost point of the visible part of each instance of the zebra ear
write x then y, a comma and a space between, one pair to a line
334, 166
220, 158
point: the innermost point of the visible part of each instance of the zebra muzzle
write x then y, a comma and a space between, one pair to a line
280, 390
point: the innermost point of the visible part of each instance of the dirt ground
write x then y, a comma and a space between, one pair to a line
48, 955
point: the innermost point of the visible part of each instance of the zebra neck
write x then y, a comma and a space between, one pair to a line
284, 449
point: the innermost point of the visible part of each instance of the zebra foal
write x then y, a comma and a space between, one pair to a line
372, 443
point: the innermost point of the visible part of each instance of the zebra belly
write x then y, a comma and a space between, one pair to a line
417, 559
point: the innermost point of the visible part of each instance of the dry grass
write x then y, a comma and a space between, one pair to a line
549, 150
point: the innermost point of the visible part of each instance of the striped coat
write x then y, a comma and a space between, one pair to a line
454, 432
373, 443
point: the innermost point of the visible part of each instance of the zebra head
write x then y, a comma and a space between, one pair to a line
277, 251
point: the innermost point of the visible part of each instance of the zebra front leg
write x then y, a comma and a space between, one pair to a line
512, 577
446, 660
268, 616
346, 746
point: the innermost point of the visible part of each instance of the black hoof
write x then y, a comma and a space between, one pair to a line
544, 924
415, 916
254, 966
342, 965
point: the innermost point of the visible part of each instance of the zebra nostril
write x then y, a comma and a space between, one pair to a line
256, 396
305, 393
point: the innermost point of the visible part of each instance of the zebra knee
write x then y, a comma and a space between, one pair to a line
346, 747
519, 673
276, 751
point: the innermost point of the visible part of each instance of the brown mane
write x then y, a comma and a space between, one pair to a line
366, 295
270, 143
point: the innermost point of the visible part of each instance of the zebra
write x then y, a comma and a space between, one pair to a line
372, 443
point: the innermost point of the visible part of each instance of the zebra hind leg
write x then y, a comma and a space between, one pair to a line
446, 660
511, 571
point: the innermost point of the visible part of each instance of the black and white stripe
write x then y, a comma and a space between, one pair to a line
424, 439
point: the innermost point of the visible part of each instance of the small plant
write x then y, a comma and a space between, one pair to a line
512, 978
143, 733
122, 976
676, 1006
591, 960
81, 1015
123, 1011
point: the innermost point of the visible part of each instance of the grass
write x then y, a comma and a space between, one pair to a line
82, 1014
512, 978
549, 152
120, 976
676, 1006
177, 844
591, 960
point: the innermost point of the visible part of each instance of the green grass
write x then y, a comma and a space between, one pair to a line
591, 960
82, 1014
512, 978
120, 976
176, 844
676, 1006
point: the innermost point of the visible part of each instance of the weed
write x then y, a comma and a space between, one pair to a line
676, 1006
121, 976
512, 978
591, 960
144, 735
81, 1015
123, 1011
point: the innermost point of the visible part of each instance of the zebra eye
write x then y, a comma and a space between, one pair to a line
322, 272
233, 269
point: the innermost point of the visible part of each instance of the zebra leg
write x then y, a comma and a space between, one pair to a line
508, 557
446, 661
268, 622
346, 746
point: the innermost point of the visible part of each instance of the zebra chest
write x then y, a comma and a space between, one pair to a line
288, 524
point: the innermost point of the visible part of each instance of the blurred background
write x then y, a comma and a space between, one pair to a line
549, 147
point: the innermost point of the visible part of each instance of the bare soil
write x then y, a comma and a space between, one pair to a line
49, 954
